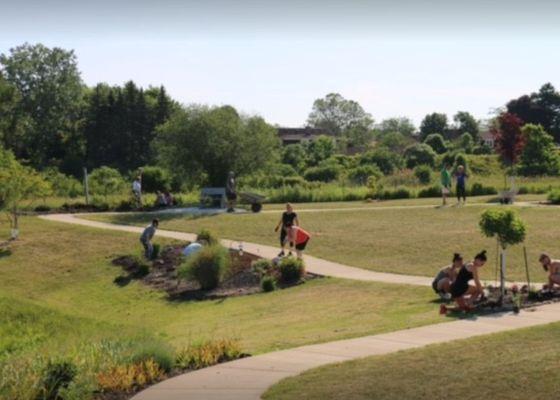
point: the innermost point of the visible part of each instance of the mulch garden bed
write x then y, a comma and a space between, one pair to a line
241, 280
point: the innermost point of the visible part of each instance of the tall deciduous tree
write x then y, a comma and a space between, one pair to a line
433, 123
539, 108
401, 125
342, 118
508, 137
51, 91
17, 185
466, 123
202, 144
539, 156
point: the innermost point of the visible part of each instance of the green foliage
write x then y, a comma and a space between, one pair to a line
478, 189
326, 173
202, 144
433, 123
262, 267
320, 149
436, 142
294, 155
291, 269
105, 181
503, 224
554, 196
465, 143
539, 155
460, 159
423, 173
398, 193
386, 160
51, 97
207, 267
205, 354
268, 284
161, 353
156, 251
394, 141
402, 126
62, 185
155, 179
466, 124
432, 191
419, 154
208, 236
57, 376
362, 173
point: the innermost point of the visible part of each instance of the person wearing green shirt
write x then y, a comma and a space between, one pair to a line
445, 183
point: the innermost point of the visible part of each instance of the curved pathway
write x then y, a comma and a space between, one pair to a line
250, 377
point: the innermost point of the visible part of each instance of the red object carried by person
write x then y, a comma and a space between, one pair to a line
301, 235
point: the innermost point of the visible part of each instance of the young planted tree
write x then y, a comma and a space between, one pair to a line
18, 184
507, 228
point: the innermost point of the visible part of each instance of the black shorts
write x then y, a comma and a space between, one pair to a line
458, 290
301, 246
231, 196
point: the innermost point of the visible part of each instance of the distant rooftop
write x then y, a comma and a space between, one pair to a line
299, 135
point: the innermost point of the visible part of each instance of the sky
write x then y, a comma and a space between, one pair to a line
274, 58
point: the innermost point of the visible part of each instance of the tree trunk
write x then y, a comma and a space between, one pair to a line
502, 272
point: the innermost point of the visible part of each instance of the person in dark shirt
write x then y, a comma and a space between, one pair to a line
463, 293
231, 192
288, 220
461, 185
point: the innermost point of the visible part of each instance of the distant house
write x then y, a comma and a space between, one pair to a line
299, 135
487, 138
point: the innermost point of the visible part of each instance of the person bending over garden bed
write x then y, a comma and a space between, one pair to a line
147, 236
553, 269
463, 293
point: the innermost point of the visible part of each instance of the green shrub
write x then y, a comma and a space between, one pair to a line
436, 142
62, 185
262, 266
208, 236
460, 159
419, 154
362, 173
423, 173
268, 284
207, 267
398, 193
433, 191
291, 269
387, 161
208, 353
155, 179
57, 376
326, 173
161, 353
478, 189
554, 196
105, 181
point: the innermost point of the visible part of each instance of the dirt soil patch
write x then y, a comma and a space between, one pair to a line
161, 274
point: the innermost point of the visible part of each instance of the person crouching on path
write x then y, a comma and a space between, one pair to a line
463, 293
288, 220
553, 269
301, 238
446, 276
147, 236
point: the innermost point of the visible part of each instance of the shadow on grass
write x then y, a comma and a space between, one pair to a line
6, 252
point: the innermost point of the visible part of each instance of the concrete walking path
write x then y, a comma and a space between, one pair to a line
249, 378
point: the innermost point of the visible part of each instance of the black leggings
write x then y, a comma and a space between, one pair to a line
461, 192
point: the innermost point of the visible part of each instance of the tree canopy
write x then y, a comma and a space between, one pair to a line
466, 123
508, 137
505, 225
539, 155
202, 144
433, 123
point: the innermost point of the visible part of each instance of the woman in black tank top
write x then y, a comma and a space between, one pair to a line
462, 292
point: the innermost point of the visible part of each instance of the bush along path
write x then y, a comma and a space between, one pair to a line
249, 378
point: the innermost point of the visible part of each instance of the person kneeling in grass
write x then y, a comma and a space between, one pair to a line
147, 236
553, 269
463, 293
446, 276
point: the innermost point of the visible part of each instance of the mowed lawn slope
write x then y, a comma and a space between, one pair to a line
520, 364
415, 241
65, 271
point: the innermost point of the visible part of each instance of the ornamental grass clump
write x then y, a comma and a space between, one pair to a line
207, 267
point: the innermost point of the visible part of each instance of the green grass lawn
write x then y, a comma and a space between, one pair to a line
521, 364
415, 241
58, 299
